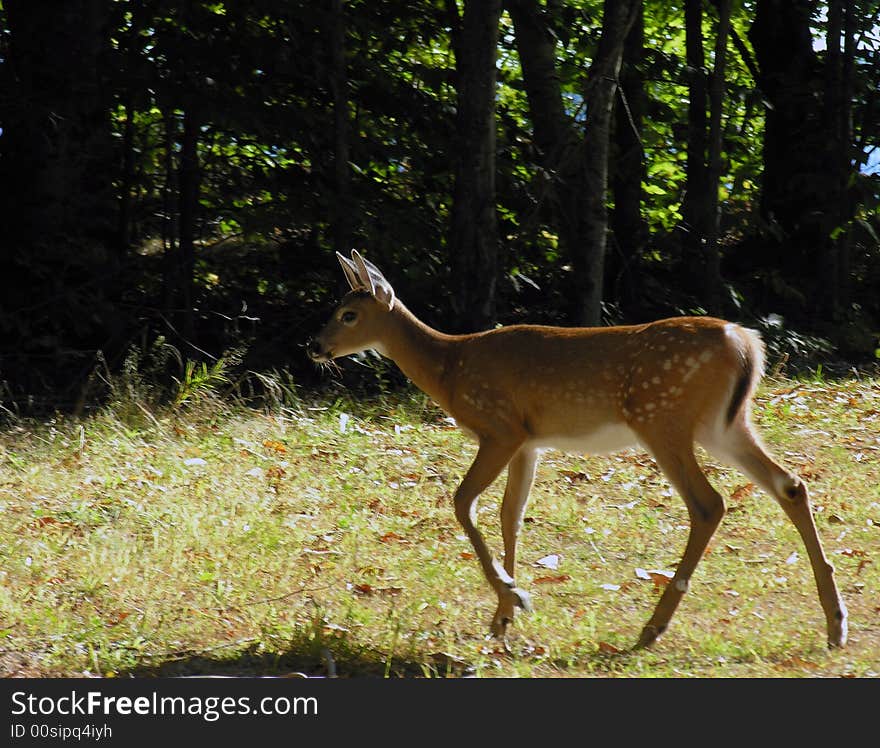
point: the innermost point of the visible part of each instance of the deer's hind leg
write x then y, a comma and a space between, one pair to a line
740, 447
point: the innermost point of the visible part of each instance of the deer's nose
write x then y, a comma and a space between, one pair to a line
314, 350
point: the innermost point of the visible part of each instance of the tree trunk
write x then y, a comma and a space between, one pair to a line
56, 163
839, 115
555, 136
123, 231
170, 282
629, 229
695, 207
343, 205
803, 167
188, 181
536, 46
575, 170
473, 240
589, 255
712, 275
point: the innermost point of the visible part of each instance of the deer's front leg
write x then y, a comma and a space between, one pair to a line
491, 458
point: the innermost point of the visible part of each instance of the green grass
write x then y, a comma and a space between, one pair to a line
320, 539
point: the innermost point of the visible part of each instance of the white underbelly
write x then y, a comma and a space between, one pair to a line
608, 438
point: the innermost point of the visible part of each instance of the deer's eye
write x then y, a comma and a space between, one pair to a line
348, 318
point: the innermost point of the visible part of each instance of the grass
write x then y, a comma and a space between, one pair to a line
320, 539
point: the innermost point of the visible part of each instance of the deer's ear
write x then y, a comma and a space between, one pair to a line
351, 272
375, 282
363, 272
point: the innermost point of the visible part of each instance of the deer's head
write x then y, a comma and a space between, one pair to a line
358, 321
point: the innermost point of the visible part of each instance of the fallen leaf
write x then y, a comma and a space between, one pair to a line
609, 648
851, 552
573, 476
275, 446
797, 662
549, 562
660, 577
742, 491
552, 580
393, 537
466, 555
363, 589
194, 461
610, 587
117, 618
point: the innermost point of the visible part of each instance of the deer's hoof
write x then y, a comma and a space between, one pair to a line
649, 636
509, 601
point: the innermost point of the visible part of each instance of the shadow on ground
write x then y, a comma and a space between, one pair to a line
303, 661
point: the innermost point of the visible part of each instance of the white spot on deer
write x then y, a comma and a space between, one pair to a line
691, 361
650, 406
706, 356
667, 364
655, 380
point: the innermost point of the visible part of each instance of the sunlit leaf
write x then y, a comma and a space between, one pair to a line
549, 562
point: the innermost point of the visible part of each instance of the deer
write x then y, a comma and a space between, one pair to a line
664, 386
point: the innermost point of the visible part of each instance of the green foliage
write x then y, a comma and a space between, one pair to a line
199, 380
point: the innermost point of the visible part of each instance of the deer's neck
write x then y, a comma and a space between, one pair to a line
420, 351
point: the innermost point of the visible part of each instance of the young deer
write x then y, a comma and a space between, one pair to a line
519, 389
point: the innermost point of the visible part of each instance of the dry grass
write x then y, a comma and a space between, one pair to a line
321, 539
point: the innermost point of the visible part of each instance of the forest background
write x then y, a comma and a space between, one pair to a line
177, 175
